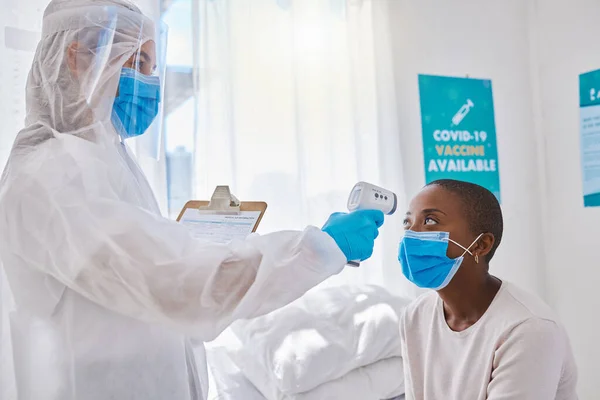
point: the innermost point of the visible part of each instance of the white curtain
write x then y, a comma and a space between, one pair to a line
295, 104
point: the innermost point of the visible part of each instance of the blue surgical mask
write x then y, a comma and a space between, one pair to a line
424, 260
136, 106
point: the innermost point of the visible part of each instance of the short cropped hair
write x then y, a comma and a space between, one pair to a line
481, 208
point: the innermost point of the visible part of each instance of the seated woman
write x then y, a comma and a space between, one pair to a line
474, 337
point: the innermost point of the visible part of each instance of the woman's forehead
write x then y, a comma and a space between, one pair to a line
435, 197
149, 47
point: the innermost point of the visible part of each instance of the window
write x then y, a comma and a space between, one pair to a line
179, 125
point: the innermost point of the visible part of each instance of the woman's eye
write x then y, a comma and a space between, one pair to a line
406, 223
136, 62
430, 221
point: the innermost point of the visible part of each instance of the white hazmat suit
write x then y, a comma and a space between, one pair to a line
111, 301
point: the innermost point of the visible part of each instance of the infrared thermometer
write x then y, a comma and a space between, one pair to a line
366, 196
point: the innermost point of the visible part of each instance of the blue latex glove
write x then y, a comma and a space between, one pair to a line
355, 233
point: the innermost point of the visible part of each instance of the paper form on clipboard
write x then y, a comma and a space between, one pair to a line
220, 227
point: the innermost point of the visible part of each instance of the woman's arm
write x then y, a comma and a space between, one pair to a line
69, 221
528, 365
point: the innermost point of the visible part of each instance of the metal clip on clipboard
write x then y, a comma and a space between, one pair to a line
222, 202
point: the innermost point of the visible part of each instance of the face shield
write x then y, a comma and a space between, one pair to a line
137, 113
110, 60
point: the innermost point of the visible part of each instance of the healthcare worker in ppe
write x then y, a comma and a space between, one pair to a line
112, 301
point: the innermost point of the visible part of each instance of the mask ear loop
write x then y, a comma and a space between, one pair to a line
467, 249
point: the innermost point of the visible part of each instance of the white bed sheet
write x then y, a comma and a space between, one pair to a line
226, 380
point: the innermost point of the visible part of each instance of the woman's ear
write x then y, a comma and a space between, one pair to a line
484, 245
72, 51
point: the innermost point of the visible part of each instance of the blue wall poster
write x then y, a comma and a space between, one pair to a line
589, 112
459, 130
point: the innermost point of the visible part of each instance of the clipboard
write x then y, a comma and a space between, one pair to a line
223, 218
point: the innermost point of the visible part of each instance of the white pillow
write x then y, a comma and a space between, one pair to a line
321, 337
381, 380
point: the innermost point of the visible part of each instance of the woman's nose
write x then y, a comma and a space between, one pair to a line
415, 227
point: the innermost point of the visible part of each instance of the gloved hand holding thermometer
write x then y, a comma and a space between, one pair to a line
355, 233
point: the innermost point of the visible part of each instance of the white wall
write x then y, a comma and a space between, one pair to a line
568, 43
484, 39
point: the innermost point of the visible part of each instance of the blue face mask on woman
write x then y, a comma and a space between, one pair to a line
424, 260
137, 104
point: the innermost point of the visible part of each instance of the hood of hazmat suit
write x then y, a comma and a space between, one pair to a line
102, 298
